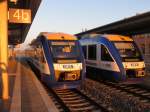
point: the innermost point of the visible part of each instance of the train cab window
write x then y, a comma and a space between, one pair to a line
84, 51
92, 52
105, 55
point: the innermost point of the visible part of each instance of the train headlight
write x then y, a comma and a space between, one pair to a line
140, 73
71, 76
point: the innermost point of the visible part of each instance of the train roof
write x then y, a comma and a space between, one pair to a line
111, 37
118, 38
57, 36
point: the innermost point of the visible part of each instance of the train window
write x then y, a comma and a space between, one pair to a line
128, 50
84, 51
65, 49
92, 52
105, 55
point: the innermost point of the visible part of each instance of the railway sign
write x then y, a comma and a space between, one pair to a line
19, 15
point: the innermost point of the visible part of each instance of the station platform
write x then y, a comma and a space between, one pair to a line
26, 92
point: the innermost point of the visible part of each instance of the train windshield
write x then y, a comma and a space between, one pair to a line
128, 51
65, 49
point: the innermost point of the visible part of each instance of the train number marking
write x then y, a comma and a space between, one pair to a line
134, 64
68, 66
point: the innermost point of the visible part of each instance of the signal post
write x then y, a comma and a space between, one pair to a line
4, 48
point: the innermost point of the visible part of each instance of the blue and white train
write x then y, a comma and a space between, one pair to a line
113, 57
60, 60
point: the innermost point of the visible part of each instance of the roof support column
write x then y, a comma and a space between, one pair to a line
4, 48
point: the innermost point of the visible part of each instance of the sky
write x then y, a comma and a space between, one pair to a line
73, 16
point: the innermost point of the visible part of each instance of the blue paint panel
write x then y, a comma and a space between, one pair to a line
112, 49
99, 74
48, 58
82, 60
114, 52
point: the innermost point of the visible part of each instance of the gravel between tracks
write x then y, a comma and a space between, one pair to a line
114, 98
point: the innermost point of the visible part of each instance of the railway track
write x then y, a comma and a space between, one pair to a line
119, 97
134, 90
137, 91
72, 100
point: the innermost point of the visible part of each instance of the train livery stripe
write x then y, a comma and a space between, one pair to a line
114, 53
48, 58
82, 60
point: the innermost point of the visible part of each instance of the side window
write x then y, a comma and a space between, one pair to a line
92, 52
105, 56
84, 51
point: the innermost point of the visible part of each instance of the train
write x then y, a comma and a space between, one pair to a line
59, 59
114, 58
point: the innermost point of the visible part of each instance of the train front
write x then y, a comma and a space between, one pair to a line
67, 63
132, 61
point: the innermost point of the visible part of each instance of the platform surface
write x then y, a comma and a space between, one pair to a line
26, 92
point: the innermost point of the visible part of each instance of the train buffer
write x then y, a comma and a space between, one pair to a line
26, 92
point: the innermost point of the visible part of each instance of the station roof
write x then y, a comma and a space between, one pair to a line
17, 32
138, 24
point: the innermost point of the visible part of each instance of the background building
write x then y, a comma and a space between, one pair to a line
143, 42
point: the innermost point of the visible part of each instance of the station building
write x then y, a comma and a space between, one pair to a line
143, 42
